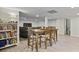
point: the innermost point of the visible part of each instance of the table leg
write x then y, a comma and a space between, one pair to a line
56, 35
36, 43
50, 40
46, 43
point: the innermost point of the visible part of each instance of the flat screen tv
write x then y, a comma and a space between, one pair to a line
27, 24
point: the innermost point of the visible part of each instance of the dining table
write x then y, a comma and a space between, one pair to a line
40, 31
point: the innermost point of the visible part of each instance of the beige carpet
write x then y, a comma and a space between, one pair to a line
64, 44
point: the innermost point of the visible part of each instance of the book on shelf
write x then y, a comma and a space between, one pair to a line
9, 34
14, 40
15, 33
3, 43
8, 26
11, 41
2, 35
1, 27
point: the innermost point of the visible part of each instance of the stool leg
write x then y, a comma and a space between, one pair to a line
28, 42
36, 45
40, 42
32, 44
46, 43
56, 35
54, 40
50, 40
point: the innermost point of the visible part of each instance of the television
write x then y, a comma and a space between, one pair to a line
27, 24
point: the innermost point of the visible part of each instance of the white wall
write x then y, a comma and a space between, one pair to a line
23, 18
75, 27
60, 26
52, 23
59, 23
34, 22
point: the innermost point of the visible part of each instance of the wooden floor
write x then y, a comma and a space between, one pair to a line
64, 44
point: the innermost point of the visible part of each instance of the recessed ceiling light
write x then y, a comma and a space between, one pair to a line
72, 7
77, 13
12, 14
37, 15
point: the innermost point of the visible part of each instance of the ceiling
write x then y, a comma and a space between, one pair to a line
61, 12
5, 12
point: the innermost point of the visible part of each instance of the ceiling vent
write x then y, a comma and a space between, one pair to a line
52, 11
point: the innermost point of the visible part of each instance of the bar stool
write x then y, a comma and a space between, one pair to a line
33, 40
47, 38
53, 33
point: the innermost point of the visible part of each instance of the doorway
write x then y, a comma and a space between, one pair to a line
67, 27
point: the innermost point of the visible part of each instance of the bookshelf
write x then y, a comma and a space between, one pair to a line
8, 34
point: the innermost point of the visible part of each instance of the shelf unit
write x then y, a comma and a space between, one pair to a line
8, 46
8, 35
